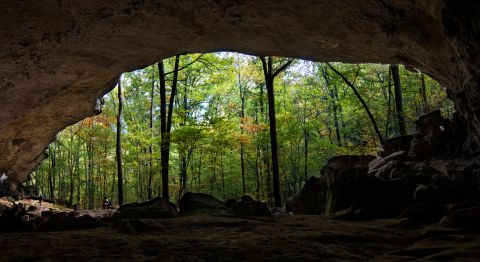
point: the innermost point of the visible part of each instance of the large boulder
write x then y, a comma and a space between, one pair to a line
425, 212
157, 208
396, 144
437, 137
347, 182
62, 221
311, 199
200, 203
467, 218
247, 207
5, 205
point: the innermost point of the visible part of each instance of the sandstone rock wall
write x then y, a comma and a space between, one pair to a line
58, 57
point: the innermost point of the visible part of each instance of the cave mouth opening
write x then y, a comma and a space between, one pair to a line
220, 125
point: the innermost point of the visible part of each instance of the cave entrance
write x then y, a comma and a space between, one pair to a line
220, 127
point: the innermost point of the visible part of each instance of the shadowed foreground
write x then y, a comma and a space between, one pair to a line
197, 238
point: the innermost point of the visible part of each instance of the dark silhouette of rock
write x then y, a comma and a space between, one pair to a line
247, 206
200, 203
311, 199
61, 222
136, 226
230, 203
436, 137
428, 193
407, 223
156, 208
396, 144
350, 214
439, 38
464, 218
5, 205
347, 182
426, 212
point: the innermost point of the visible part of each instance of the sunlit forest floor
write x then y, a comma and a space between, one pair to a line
203, 238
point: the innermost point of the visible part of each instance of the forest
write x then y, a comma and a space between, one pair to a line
229, 125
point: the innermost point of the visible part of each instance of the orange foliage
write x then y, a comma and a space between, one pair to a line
254, 128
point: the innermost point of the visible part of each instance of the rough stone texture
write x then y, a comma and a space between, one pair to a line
347, 182
157, 208
248, 206
200, 204
311, 199
58, 57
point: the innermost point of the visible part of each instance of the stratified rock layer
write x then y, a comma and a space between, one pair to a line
58, 57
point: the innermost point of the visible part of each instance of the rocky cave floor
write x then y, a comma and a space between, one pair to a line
220, 238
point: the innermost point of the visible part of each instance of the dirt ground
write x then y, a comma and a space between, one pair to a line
292, 238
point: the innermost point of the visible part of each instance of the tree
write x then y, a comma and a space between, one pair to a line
398, 99
166, 120
364, 104
334, 99
270, 73
423, 92
119, 143
150, 148
213, 119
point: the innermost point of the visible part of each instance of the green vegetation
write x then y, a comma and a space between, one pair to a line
220, 141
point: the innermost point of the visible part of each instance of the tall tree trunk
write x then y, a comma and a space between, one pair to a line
305, 153
398, 99
166, 120
270, 75
388, 100
273, 139
423, 92
334, 102
51, 173
119, 144
242, 116
222, 173
150, 148
89, 189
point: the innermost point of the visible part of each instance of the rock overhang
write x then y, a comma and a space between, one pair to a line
58, 57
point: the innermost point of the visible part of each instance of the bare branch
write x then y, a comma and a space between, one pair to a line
365, 106
185, 66
283, 67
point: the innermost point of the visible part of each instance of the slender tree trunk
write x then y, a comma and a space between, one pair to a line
119, 144
388, 95
51, 173
269, 83
150, 148
423, 92
166, 121
222, 173
398, 99
305, 153
364, 104
334, 102
242, 116
90, 173
273, 141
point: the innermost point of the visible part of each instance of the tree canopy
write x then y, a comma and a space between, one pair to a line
220, 140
